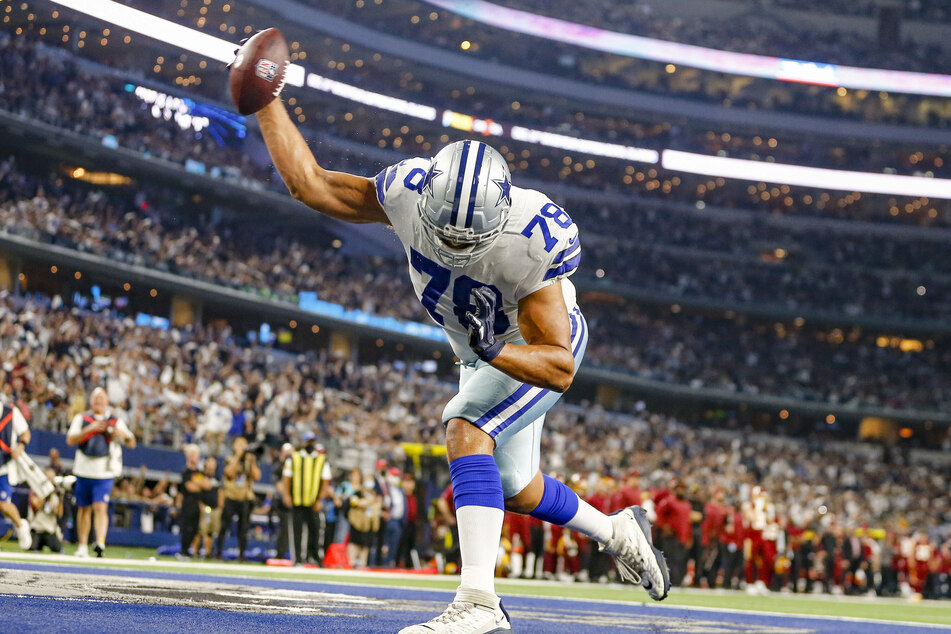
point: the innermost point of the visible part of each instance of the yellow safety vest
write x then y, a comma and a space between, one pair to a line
306, 478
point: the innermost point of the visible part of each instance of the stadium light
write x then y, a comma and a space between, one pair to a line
817, 177
792, 70
370, 98
222, 50
166, 31
587, 146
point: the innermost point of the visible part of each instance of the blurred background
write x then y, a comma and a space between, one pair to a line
762, 187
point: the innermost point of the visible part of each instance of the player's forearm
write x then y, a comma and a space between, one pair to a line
549, 367
289, 151
336, 194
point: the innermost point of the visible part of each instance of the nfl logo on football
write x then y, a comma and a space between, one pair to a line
266, 69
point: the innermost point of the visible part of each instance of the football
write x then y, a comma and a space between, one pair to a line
258, 71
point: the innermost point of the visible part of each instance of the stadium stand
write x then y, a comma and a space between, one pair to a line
716, 277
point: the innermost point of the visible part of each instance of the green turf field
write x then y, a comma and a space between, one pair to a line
935, 612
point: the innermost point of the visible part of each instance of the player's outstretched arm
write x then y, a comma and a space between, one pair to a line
343, 196
545, 359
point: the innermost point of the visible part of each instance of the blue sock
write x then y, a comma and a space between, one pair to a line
562, 506
559, 503
476, 482
480, 510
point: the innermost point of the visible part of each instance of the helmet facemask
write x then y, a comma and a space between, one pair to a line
465, 202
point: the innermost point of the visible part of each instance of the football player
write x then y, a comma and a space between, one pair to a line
490, 263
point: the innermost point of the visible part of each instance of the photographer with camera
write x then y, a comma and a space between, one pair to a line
45, 514
98, 437
14, 437
240, 473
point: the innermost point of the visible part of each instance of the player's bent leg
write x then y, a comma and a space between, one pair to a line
625, 535
479, 502
528, 499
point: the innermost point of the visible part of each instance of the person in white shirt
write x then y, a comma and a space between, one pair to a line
97, 435
14, 437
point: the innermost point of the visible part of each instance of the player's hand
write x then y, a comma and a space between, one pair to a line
482, 325
17, 451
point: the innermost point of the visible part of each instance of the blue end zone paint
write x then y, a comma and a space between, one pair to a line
76, 617
554, 615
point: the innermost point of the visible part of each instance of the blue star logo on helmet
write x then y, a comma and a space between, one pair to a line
430, 176
505, 190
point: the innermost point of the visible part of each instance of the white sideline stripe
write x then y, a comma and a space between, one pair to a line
235, 570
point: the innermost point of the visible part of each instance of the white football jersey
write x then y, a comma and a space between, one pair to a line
540, 246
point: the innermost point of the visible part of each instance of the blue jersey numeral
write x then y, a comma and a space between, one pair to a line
415, 179
438, 283
461, 290
554, 212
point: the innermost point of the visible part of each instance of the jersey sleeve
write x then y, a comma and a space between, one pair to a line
384, 180
398, 188
76, 425
555, 258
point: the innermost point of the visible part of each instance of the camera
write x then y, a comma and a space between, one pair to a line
64, 483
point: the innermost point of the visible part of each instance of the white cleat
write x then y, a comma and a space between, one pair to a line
82, 551
471, 612
24, 536
637, 559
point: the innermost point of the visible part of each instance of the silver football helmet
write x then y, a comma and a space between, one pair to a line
465, 201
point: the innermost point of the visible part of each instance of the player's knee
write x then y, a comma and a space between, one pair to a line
465, 439
520, 504
522, 490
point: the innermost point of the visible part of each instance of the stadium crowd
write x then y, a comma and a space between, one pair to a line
111, 110
792, 503
747, 32
837, 272
673, 348
729, 506
48, 85
760, 32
